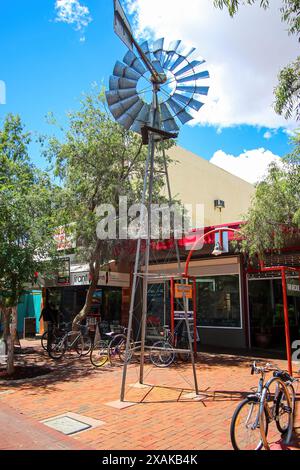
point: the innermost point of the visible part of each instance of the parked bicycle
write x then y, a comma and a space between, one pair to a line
114, 346
57, 331
79, 340
272, 401
172, 346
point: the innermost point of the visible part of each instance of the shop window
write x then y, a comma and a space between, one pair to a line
218, 301
158, 309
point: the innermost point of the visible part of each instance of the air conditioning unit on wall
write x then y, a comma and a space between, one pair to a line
219, 204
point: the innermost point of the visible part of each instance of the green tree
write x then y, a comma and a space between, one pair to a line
287, 92
274, 215
26, 224
98, 161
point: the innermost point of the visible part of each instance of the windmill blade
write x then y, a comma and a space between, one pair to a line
122, 106
133, 62
186, 51
191, 66
158, 67
122, 70
190, 102
167, 120
174, 45
142, 119
194, 77
198, 90
158, 50
168, 59
170, 125
165, 112
115, 83
146, 50
179, 111
128, 118
177, 63
114, 96
158, 45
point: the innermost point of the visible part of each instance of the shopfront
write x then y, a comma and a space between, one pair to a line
219, 300
266, 310
110, 300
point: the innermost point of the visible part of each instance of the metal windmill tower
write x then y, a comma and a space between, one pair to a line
172, 78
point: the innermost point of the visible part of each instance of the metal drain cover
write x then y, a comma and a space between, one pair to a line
67, 425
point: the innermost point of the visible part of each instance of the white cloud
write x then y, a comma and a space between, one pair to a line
72, 12
244, 54
251, 166
267, 135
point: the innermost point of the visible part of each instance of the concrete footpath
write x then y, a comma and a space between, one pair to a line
19, 432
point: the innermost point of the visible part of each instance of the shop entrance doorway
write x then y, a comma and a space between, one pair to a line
266, 310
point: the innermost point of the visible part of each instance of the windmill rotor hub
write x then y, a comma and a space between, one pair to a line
160, 79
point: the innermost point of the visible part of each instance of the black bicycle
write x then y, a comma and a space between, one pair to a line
273, 400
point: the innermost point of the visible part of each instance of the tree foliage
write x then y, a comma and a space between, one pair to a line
287, 92
273, 219
26, 220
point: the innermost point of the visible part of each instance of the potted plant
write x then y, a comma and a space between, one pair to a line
263, 335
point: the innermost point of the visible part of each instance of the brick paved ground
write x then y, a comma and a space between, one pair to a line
161, 418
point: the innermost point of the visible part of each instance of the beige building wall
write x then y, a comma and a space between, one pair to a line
195, 180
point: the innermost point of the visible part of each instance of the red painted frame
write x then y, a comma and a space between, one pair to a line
281, 269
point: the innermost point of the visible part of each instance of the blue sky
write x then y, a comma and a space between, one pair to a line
46, 65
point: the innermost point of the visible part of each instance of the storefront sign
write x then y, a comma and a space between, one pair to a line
80, 279
183, 290
118, 279
293, 287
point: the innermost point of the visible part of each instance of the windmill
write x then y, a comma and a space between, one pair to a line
151, 92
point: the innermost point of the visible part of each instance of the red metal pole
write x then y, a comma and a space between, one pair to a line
286, 322
195, 315
172, 305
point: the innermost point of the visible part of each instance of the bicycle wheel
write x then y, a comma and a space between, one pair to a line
87, 345
244, 428
162, 354
117, 347
44, 340
283, 411
79, 346
99, 354
122, 351
57, 348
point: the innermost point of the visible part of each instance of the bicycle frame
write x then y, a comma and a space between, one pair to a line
280, 386
66, 336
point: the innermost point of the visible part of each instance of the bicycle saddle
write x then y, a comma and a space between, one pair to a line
280, 374
110, 334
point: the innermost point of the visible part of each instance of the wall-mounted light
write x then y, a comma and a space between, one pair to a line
218, 249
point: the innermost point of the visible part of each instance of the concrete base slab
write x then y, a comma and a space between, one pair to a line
72, 423
194, 396
138, 385
120, 405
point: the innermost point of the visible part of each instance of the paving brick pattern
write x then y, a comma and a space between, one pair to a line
163, 418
